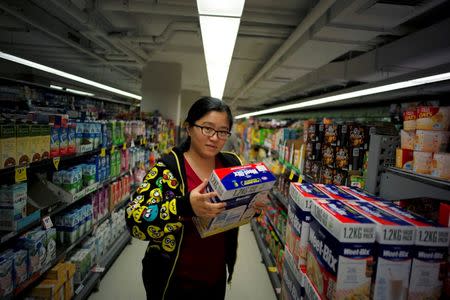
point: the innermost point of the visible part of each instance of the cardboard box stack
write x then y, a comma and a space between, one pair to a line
239, 187
57, 283
425, 141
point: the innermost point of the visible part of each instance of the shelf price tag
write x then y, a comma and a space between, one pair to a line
98, 269
272, 269
291, 176
283, 169
56, 161
144, 141
124, 147
113, 148
300, 179
47, 222
103, 152
21, 174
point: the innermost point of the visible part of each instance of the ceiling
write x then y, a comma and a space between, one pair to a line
285, 49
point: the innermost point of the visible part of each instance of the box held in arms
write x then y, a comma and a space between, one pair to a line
239, 187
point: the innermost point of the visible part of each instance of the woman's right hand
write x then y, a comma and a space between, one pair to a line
201, 204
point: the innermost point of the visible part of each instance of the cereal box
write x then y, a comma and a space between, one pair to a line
331, 134
393, 251
340, 259
45, 141
404, 158
35, 139
407, 139
299, 217
333, 192
241, 180
433, 118
8, 146
54, 141
422, 162
23, 144
441, 165
429, 253
409, 119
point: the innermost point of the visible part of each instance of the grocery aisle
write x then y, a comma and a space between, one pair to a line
250, 281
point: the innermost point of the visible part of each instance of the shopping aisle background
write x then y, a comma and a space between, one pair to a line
250, 280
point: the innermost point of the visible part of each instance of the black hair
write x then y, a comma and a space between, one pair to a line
200, 108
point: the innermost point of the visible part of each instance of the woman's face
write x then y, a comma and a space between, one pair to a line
209, 146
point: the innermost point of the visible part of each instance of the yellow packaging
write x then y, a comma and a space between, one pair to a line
68, 285
431, 141
8, 147
58, 273
49, 289
23, 141
441, 165
45, 141
422, 162
407, 139
35, 133
433, 118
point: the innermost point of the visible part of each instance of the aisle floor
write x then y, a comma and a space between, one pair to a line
250, 281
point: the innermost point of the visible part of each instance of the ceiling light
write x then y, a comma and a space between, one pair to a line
56, 87
229, 8
67, 75
349, 95
79, 92
219, 37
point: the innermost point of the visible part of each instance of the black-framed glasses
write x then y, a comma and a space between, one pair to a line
208, 131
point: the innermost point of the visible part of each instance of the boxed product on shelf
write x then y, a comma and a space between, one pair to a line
334, 192
331, 134
340, 250
44, 141
6, 274
404, 159
315, 171
441, 165
327, 175
358, 136
313, 150
82, 261
54, 140
328, 155
71, 138
356, 158
429, 252
422, 162
34, 242
20, 267
8, 146
241, 180
63, 140
50, 246
13, 202
311, 292
407, 139
35, 139
431, 141
48, 289
291, 288
342, 158
409, 119
393, 251
433, 118
69, 284
23, 141
340, 177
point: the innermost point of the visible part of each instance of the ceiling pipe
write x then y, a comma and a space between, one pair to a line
67, 6
277, 17
19, 15
315, 14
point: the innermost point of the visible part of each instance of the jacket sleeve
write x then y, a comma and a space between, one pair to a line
158, 205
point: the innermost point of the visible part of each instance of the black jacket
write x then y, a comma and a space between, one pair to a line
156, 213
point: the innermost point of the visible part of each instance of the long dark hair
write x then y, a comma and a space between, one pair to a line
200, 108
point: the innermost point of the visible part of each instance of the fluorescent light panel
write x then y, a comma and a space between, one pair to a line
79, 92
349, 95
219, 37
67, 75
56, 87
229, 8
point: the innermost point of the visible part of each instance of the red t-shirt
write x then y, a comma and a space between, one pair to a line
200, 260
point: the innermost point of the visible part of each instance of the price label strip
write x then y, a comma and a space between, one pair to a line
291, 175
272, 269
21, 174
124, 147
103, 152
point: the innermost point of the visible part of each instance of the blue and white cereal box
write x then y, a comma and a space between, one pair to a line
241, 180
6, 274
340, 251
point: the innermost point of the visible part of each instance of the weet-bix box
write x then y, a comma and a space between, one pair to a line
359, 193
241, 180
429, 253
299, 217
394, 239
334, 192
340, 251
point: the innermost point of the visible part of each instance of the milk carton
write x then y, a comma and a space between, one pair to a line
340, 251
429, 253
299, 217
393, 251
241, 180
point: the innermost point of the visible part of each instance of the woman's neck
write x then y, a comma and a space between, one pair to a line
200, 161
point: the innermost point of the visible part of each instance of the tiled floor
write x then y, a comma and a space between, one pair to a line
250, 281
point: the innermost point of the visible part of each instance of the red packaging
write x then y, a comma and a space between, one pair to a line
444, 214
409, 120
433, 118
404, 158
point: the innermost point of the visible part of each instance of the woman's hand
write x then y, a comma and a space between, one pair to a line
201, 204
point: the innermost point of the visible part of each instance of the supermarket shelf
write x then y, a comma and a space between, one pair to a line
277, 195
277, 233
84, 290
412, 185
61, 254
268, 260
5, 236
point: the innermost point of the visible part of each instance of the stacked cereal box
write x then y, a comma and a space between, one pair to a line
239, 187
425, 141
340, 258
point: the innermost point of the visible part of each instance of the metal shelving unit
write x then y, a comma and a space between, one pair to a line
85, 289
268, 260
412, 185
275, 194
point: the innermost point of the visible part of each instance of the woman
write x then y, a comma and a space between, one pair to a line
178, 264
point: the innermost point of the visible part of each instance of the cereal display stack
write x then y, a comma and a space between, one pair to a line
425, 141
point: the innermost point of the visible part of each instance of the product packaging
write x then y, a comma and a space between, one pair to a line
35, 140
328, 155
431, 141
409, 119
331, 134
441, 165
45, 141
23, 144
422, 162
404, 159
433, 118
334, 192
407, 139
6, 274
291, 288
8, 147
54, 140
342, 158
